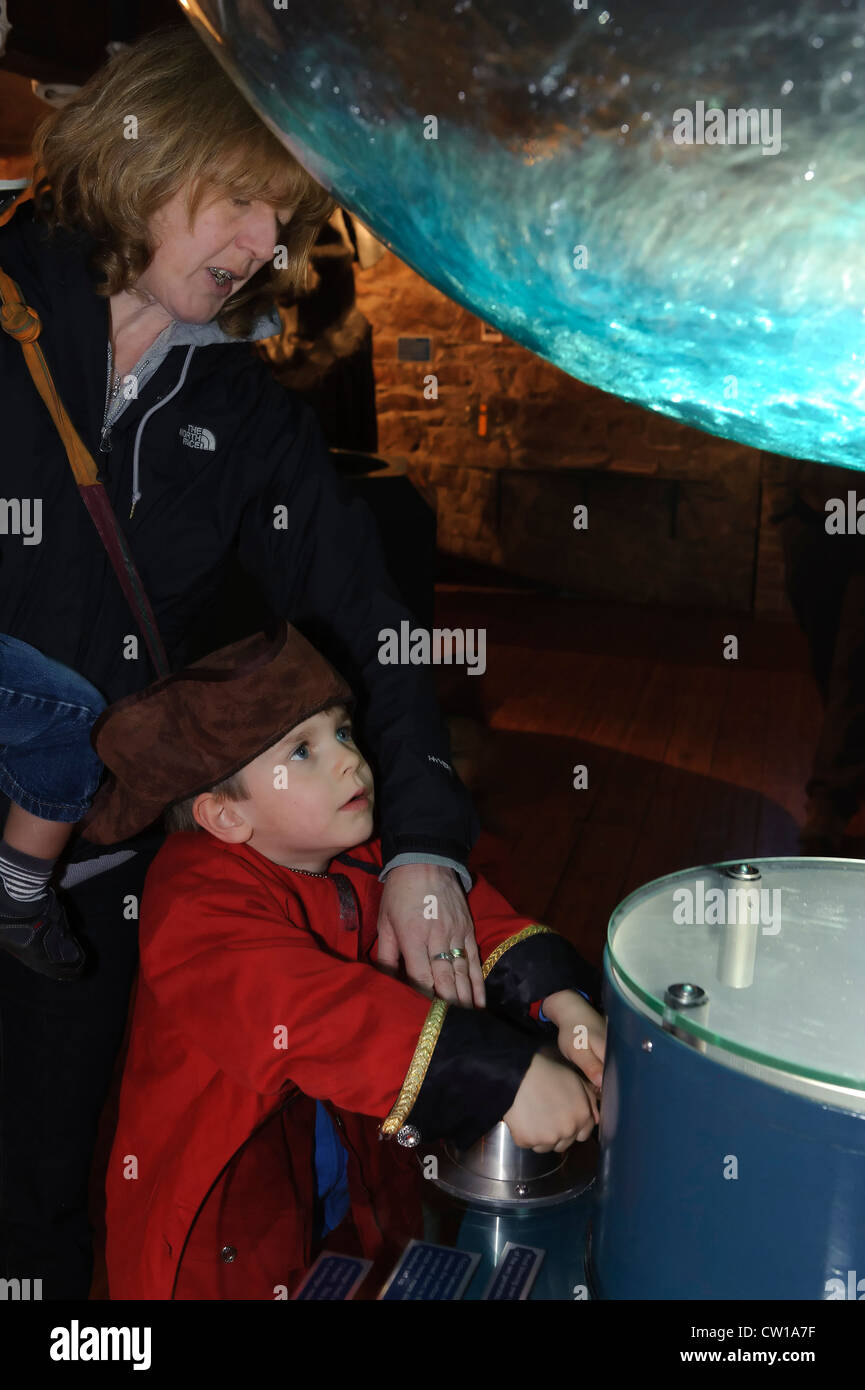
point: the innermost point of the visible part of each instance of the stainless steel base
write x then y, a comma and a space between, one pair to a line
573, 1172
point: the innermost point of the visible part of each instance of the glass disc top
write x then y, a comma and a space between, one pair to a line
776, 945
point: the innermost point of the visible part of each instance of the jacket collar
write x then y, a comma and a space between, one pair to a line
52, 270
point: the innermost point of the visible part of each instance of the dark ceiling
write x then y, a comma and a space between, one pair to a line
65, 40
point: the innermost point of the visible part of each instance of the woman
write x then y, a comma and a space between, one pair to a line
148, 253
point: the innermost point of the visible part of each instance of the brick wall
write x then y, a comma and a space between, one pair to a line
511, 445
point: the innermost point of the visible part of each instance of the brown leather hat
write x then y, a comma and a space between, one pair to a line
183, 734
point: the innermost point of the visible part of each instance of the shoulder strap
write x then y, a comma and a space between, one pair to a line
23, 323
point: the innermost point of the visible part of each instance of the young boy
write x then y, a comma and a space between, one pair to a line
261, 1019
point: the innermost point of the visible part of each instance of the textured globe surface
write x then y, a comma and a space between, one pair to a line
534, 161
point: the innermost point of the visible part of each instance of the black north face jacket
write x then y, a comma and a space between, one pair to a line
215, 464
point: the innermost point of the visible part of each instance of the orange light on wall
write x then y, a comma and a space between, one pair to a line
482, 420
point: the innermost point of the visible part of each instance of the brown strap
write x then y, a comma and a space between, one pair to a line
23, 323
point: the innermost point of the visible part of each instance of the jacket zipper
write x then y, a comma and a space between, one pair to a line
105, 441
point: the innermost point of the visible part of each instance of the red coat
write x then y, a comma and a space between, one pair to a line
256, 993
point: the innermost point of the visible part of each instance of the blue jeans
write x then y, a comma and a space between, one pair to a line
47, 765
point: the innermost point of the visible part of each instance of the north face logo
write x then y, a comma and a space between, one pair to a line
196, 437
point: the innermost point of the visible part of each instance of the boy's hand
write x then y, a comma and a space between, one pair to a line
582, 1031
552, 1107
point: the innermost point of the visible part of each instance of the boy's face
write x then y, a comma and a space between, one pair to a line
304, 804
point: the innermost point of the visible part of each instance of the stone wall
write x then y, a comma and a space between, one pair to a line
512, 444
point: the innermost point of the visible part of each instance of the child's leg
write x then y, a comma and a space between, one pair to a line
27, 833
28, 852
49, 772
47, 764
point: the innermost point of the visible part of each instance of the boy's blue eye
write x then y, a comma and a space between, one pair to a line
343, 729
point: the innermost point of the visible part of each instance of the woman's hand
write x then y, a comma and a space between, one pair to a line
582, 1031
407, 929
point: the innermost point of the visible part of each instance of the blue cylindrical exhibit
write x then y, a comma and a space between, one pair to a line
733, 1148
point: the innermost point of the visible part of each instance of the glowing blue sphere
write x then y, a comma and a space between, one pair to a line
667, 201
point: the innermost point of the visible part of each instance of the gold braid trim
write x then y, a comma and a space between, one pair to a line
429, 1036
503, 946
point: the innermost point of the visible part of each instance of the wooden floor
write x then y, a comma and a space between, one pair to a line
691, 758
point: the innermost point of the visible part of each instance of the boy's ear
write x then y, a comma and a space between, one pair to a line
221, 818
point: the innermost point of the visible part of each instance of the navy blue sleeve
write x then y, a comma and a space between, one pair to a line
314, 548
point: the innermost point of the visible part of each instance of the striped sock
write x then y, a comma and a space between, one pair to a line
23, 881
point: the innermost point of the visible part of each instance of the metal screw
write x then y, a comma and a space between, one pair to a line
742, 871
521, 1189
685, 996
647, 1044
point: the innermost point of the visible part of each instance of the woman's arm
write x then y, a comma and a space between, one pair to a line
314, 548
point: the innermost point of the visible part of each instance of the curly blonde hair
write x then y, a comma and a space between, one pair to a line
194, 130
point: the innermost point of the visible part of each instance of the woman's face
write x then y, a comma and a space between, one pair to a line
228, 235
